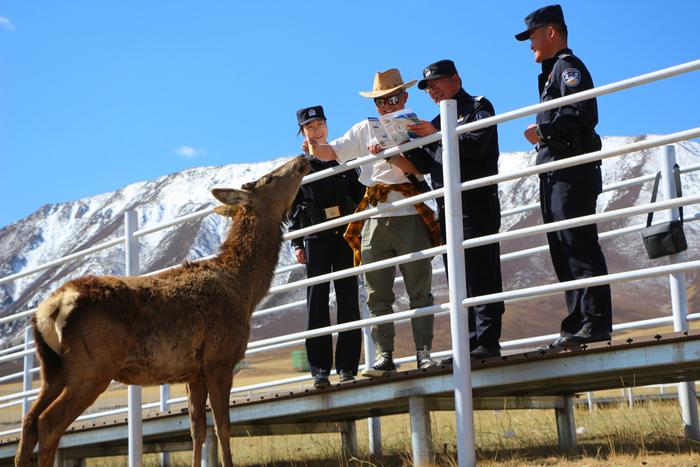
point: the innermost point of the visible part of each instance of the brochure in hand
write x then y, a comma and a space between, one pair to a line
391, 129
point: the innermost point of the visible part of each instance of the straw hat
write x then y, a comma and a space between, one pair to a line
387, 82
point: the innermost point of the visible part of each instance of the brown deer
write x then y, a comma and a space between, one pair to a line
187, 325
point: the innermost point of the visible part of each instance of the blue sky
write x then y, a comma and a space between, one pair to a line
97, 95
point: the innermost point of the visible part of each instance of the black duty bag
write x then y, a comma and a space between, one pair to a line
666, 238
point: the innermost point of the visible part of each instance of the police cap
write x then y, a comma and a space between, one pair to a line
308, 114
436, 70
541, 17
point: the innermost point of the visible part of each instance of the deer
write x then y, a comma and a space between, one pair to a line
186, 325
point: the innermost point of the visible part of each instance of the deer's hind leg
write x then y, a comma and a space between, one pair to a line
219, 381
74, 399
50, 390
197, 402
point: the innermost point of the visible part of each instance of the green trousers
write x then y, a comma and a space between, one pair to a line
388, 237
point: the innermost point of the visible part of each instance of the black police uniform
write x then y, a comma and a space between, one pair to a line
327, 251
572, 192
481, 211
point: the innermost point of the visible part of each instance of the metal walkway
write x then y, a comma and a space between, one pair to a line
519, 381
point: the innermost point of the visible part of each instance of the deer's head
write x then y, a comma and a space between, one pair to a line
272, 193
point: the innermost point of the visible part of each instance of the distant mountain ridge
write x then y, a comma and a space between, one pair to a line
56, 230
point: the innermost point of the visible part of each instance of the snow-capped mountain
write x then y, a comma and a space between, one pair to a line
56, 230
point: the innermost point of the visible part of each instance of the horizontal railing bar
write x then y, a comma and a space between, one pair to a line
582, 159
520, 294
65, 259
493, 238
16, 316
494, 179
646, 323
276, 309
19, 374
515, 114
179, 220
11, 349
15, 356
611, 187
9, 397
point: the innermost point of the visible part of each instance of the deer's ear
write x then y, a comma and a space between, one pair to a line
230, 196
226, 210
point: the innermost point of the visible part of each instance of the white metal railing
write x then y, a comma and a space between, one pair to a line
456, 304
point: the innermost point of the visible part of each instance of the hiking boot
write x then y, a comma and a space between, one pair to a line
423, 359
383, 365
345, 376
557, 346
321, 381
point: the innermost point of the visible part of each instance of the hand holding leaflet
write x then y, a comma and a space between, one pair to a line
391, 129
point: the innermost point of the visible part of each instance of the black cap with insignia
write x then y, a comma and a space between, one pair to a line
541, 17
436, 70
308, 114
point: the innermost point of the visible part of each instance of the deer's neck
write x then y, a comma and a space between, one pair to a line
251, 251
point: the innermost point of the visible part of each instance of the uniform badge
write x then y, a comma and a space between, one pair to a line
427, 72
481, 114
571, 77
312, 113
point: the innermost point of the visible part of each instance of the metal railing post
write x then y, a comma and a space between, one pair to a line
165, 460
26, 371
459, 325
679, 301
131, 248
374, 424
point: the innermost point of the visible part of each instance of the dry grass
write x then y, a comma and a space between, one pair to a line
649, 434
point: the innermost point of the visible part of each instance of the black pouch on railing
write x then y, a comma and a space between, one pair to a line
666, 238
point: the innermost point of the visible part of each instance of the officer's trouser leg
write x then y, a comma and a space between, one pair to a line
348, 347
319, 350
483, 267
576, 254
483, 270
377, 245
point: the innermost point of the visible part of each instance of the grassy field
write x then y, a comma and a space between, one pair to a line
648, 434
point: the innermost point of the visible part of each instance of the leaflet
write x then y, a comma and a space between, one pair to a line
391, 129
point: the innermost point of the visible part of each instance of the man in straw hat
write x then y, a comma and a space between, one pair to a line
389, 233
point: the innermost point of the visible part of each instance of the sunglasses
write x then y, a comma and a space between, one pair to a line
391, 100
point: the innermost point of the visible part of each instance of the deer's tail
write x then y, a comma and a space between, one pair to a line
49, 320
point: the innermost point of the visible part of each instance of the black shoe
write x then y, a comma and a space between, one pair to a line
482, 352
423, 359
345, 376
321, 381
446, 361
575, 341
583, 337
383, 365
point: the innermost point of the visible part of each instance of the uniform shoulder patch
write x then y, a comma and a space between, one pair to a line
571, 77
481, 114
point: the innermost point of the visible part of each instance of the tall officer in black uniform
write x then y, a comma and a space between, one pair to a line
325, 252
564, 194
481, 210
